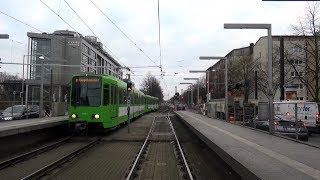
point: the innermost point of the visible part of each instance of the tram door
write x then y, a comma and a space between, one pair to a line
113, 101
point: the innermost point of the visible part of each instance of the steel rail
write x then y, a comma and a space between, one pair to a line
12, 161
180, 149
141, 150
41, 172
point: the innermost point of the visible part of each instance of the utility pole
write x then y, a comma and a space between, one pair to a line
51, 91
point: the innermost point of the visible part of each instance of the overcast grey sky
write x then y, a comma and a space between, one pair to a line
189, 29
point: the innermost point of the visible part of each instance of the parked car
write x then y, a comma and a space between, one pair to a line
283, 126
308, 112
20, 112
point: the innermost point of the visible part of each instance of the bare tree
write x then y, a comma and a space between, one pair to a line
193, 88
202, 89
263, 74
6, 91
4, 76
151, 86
241, 75
308, 27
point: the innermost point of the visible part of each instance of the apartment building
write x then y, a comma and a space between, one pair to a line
248, 76
289, 51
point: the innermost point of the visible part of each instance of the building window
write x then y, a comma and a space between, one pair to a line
295, 61
295, 49
93, 54
85, 59
300, 98
85, 48
301, 86
296, 74
82, 68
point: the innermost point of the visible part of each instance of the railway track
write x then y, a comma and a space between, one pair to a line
50, 167
39, 162
28, 155
163, 148
151, 150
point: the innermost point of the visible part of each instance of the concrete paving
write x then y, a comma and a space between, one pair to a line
314, 139
8, 128
253, 154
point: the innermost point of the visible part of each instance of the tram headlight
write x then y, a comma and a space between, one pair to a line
96, 116
74, 116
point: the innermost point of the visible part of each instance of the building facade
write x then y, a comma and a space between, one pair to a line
293, 73
58, 56
289, 67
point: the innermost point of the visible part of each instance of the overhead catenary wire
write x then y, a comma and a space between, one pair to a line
127, 36
37, 29
74, 28
60, 41
21, 21
73, 65
88, 26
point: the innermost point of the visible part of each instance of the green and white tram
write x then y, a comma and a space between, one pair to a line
100, 102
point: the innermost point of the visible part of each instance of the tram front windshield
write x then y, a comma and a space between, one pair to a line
86, 91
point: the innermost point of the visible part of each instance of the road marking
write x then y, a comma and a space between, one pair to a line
284, 159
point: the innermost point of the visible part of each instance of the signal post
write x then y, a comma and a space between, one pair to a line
129, 89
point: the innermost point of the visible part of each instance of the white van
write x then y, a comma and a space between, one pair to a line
308, 112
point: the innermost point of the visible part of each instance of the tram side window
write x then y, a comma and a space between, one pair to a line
117, 95
113, 93
120, 96
106, 94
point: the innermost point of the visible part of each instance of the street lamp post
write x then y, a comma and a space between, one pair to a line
41, 89
198, 93
208, 79
23, 79
4, 36
270, 94
226, 110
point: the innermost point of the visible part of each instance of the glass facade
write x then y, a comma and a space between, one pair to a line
40, 47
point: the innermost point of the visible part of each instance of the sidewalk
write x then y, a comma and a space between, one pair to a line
255, 154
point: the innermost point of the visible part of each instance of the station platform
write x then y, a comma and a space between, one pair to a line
254, 154
8, 128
